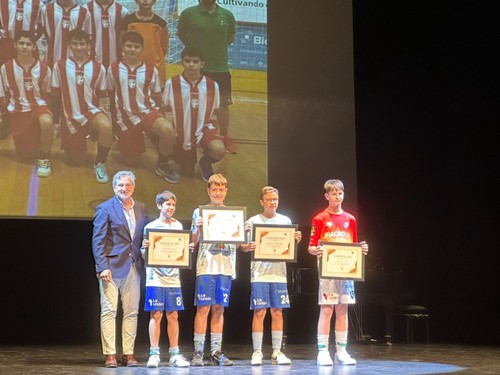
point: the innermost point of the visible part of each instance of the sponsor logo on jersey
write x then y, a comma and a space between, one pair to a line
203, 297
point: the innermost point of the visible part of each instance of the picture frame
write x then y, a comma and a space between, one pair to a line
342, 261
223, 224
168, 248
275, 243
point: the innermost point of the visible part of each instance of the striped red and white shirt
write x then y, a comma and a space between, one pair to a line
19, 15
193, 106
56, 22
132, 92
80, 87
106, 26
23, 90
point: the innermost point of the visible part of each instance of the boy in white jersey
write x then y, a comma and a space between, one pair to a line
334, 225
24, 91
136, 90
215, 269
193, 100
268, 283
81, 85
163, 289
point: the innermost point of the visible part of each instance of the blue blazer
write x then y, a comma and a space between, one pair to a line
112, 244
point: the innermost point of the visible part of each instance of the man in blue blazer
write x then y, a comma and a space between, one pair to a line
116, 243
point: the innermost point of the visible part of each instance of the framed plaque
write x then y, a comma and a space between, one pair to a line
275, 243
342, 261
168, 248
222, 224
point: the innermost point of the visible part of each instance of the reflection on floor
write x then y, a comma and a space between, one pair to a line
373, 359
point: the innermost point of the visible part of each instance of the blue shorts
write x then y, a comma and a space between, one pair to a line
212, 290
160, 299
266, 295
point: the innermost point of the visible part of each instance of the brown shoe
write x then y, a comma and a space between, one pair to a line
110, 361
129, 360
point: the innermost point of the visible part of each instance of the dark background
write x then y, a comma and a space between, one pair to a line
426, 111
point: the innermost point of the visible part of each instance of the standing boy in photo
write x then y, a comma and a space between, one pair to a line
163, 289
268, 283
333, 224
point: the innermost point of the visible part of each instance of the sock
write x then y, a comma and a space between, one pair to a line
173, 350
340, 340
257, 340
162, 159
102, 154
276, 339
154, 350
199, 342
323, 342
215, 342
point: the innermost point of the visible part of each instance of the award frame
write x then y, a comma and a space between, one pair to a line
232, 219
155, 254
349, 255
269, 252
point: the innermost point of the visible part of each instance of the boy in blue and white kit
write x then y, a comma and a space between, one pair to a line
215, 269
268, 283
163, 289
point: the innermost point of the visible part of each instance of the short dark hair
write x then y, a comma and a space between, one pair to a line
193, 52
133, 37
25, 34
78, 34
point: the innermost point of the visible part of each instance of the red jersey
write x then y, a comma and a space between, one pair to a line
80, 86
106, 28
330, 227
19, 15
24, 90
132, 92
56, 22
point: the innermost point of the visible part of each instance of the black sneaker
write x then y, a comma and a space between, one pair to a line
167, 173
205, 168
219, 359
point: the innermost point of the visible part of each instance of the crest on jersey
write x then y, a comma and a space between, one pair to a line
131, 83
195, 102
105, 23
79, 79
345, 224
19, 16
28, 86
65, 24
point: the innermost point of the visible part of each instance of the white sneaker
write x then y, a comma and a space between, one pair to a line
153, 361
343, 358
256, 358
280, 359
43, 168
324, 358
178, 361
101, 174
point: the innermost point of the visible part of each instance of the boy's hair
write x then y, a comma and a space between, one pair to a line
120, 174
78, 34
217, 179
268, 189
192, 52
25, 34
133, 37
164, 196
333, 185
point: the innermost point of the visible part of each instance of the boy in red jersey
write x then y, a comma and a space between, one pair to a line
136, 90
334, 225
24, 90
80, 83
194, 101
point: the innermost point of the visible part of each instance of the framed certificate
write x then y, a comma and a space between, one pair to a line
223, 224
275, 243
342, 261
168, 248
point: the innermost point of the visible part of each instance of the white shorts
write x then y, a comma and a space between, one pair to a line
335, 291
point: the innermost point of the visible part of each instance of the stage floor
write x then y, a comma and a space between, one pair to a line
373, 359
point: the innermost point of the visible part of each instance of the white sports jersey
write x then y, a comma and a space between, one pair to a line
269, 272
56, 22
133, 89
81, 86
25, 90
193, 106
214, 258
17, 15
160, 276
106, 27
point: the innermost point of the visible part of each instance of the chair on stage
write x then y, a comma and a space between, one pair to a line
412, 314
